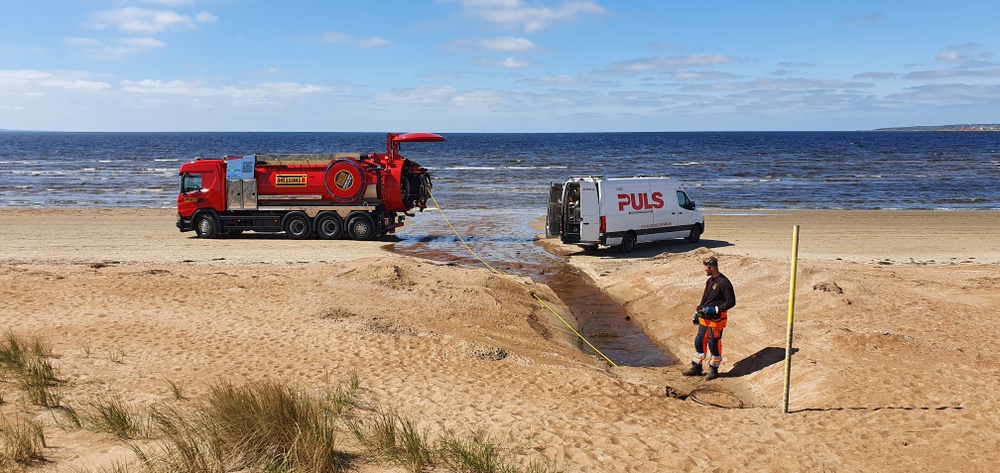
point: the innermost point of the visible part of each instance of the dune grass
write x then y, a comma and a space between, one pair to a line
21, 443
29, 362
265, 426
261, 426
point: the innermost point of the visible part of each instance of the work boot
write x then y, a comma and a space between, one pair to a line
713, 372
694, 370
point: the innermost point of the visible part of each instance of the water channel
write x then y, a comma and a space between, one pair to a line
510, 245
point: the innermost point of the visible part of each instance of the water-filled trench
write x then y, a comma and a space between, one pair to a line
509, 245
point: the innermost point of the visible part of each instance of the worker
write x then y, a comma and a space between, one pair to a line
710, 317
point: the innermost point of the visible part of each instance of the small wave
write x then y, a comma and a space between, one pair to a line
688, 163
166, 160
499, 168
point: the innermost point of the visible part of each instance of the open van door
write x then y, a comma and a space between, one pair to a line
590, 212
553, 219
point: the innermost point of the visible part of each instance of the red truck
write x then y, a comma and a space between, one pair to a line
363, 196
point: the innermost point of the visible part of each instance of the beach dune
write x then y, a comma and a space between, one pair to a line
894, 367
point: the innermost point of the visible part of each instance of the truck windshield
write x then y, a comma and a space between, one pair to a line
190, 183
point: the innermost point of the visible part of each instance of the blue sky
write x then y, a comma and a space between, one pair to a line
496, 65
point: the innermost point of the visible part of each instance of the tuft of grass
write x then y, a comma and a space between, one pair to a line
28, 361
176, 390
477, 453
21, 443
85, 345
262, 426
117, 355
389, 438
70, 414
115, 417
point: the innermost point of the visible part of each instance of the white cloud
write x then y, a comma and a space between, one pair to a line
875, 75
949, 94
669, 63
952, 56
508, 44
778, 84
702, 75
949, 73
515, 14
336, 37
29, 79
257, 93
171, 3
121, 47
146, 21
506, 63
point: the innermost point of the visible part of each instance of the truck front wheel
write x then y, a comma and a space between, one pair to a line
206, 226
361, 226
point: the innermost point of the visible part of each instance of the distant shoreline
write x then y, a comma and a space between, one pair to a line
981, 127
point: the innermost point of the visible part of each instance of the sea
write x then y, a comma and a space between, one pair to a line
490, 171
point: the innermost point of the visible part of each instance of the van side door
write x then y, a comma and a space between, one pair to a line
633, 210
666, 214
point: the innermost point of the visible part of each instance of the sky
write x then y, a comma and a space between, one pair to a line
496, 66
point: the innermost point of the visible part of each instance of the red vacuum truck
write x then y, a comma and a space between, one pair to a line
363, 196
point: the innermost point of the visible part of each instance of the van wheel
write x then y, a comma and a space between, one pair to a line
695, 234
206, 226
297, 227
628, 243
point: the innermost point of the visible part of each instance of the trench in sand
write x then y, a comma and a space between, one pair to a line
509, 245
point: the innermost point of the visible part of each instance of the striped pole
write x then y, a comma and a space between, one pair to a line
791, 316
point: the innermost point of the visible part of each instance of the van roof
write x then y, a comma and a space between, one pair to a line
618, 178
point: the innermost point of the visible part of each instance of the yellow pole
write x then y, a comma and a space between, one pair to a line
791, 316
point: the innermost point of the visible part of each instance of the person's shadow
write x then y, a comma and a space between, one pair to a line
762, 359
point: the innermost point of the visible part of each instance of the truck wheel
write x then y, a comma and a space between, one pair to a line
361, 227
206, 226
695, 234
628, 243
330, 227
297, 226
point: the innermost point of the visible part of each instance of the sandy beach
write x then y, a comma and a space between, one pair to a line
894, 368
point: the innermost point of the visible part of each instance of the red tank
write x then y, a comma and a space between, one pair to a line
390, 179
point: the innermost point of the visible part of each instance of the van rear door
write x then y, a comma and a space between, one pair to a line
553, 219
590, 212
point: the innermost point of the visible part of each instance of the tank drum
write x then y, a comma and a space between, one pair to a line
345, 180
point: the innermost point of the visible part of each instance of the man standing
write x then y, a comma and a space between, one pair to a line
710, 317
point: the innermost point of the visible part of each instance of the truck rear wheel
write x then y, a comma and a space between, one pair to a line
297, 226
361, 226
206, 226
628, 243
329, 226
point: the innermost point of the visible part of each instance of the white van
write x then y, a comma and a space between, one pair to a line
621, 211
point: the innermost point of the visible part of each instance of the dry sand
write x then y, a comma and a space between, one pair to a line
895, 368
